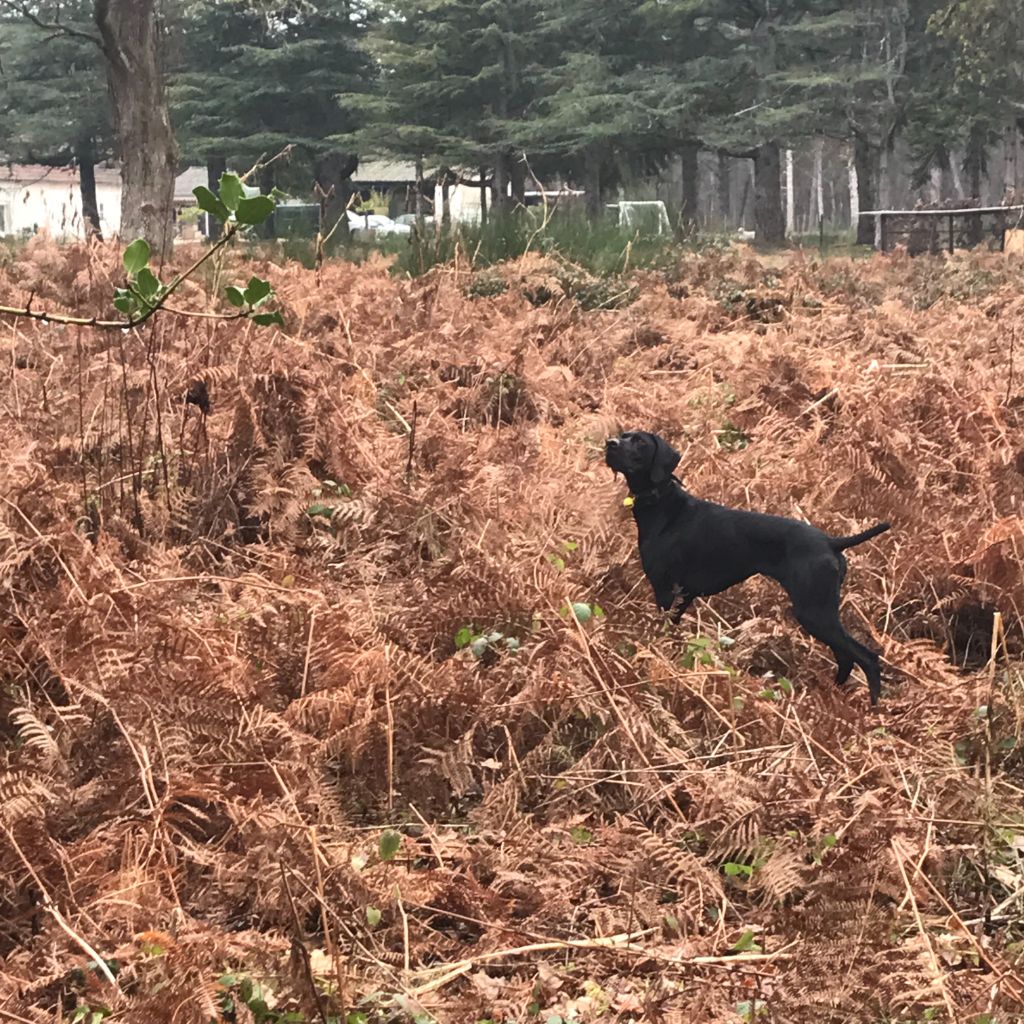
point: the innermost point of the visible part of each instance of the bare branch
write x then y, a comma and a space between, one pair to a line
27, 312
19, 7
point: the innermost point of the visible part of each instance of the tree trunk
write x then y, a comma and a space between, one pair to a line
501, 199
483, 196
267, 180
691, 187
1009, 161
885, 177
790, 195
975, 161
85, 157
445, 220
592, 185
769, 224
975, 166
215, 167
724, 190
957, 192
149, 154
517, 174
866, 195
331, 172
418, 198
854, 187
817, 203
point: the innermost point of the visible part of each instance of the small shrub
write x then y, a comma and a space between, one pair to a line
486, 286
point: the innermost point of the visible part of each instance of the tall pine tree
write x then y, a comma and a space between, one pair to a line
253, 78
456, 79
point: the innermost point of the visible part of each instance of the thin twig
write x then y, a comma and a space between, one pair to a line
300, 951
940, 975
52, 909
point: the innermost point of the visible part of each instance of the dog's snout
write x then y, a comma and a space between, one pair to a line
612, 442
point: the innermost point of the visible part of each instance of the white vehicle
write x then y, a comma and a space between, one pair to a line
376, 224
409, 219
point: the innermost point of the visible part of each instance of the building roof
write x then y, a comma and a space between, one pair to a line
190, 178
37, 174
381, 169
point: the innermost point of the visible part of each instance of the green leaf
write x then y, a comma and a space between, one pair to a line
581, 611
389, 844
257, 291
463, 638
235, 296
734, 870
231, 190
581, 836
746, 943
136, 256
327, 511
255, 210
147, 283
123, 302
277, 195
208, 202
356, 1018
372, 916
266, 319
479, 646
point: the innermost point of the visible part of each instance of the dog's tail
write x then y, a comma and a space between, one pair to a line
840, 543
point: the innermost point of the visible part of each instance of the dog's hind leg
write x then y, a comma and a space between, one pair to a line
825, 626
871, 664
815, 596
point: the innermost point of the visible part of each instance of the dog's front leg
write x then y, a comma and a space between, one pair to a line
685, 601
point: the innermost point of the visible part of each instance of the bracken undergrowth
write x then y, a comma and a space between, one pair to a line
297, 721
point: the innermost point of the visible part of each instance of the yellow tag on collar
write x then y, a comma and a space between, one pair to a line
629, 502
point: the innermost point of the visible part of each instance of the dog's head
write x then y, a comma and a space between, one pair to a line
644, 459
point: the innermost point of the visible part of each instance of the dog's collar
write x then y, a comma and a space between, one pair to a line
639, 499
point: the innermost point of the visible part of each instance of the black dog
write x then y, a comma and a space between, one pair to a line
691, 548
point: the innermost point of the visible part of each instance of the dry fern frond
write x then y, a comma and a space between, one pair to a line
228, 648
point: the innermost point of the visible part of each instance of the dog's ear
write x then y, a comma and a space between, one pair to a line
665, 460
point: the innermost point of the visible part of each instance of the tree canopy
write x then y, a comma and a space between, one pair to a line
590, 91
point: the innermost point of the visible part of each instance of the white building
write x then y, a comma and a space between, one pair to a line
36, 198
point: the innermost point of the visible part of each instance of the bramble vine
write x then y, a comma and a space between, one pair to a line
145, 294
